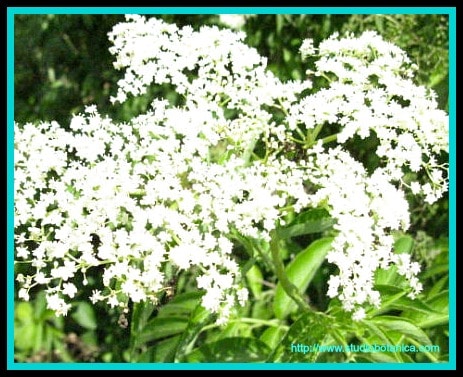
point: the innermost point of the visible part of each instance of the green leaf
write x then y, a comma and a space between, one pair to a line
85, 316
181, 305
404, 244
198, 319
24, 312
230, 350
255, 278
262, 309
141, 313
311, 328
171, 320
315, 220
376, 357
162, 352
393, 297
231, 330
403, 326
439, 303
159, 328
300, 272
38, 338
279, 23
439, 286
272, 336
408, 304
376, 332
24, 336
390, 277
437, 269
41, 312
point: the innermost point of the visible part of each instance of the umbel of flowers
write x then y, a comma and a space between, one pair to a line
169, 189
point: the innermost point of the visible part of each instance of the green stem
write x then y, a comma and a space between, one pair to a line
286, 284
315, 132
312, 138
281, 107
329, 139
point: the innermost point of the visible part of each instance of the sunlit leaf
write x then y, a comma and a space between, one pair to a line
300, 272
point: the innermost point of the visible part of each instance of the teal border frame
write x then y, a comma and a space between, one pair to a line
12, 11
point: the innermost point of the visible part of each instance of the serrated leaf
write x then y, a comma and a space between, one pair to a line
403, 326
230, 350
315, 220
85, 316
300, 271
311, 328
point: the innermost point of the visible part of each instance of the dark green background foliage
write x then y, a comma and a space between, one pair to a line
62, 63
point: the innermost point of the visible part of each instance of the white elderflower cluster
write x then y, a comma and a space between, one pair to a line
371, 92
171, 187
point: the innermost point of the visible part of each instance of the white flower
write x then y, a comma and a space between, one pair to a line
40, 278
64, 272
57, 304
23, 294
234, 21
242, 295
174, 186
359, 314
69, 289
22, 252
307, 48
96, 296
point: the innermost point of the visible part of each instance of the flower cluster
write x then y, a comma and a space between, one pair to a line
170, 188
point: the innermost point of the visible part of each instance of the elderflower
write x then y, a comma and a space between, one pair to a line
174, 185
233, 21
